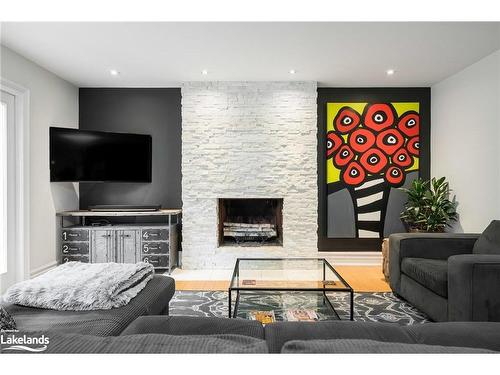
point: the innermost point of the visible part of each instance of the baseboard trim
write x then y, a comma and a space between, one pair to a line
39, 270
350, 258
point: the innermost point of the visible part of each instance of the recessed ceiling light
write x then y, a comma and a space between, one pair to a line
390, 72
292, 71
114, 72
204, 72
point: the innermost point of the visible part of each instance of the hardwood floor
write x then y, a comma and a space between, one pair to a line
361, 279
201, 285
364, 279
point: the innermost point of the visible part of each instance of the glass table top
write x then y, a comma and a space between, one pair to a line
286, 274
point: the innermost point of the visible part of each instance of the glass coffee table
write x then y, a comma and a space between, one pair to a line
286, 287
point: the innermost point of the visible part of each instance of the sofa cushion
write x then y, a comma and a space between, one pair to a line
489, 241
278, 333
153, 299
146, 343
484, 335
7, 323
431, 273
369, 346
189, 325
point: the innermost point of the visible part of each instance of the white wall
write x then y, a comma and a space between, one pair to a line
248, 140
465, 138
53, 101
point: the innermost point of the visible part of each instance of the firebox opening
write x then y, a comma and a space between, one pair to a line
250, 222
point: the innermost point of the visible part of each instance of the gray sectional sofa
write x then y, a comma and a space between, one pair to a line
152, 300
139, 327
143, 326
177, 334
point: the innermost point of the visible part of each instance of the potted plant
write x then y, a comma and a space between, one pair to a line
429, 208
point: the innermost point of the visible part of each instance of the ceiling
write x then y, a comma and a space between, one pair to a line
334, 54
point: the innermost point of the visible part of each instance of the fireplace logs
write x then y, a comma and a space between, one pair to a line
250, 222
249, 232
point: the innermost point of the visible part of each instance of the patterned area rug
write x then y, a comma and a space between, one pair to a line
368, 307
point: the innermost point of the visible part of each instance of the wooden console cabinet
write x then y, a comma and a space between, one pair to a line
156, 243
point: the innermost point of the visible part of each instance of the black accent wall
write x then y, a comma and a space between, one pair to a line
153, 111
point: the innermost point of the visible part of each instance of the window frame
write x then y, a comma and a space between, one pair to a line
21, 156
4, 188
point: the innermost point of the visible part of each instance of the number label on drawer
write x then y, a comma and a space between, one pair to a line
75, 248
156, 260
154, 234
70, 258
155, 247
75, 235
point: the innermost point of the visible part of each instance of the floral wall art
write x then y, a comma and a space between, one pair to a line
372, 148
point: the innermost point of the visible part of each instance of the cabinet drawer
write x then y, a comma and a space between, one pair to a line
75, 258
155, 247
76, 248
156, 260
154, 234
75, 235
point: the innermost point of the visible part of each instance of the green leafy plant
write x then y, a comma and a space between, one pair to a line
429, 208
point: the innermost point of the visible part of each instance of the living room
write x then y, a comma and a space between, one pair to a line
250, 187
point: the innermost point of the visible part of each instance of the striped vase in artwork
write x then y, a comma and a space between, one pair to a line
370, 200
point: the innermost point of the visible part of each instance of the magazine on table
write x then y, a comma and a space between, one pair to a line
249, 282
265, 317
299, 315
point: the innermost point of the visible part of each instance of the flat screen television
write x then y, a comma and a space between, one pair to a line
92, 156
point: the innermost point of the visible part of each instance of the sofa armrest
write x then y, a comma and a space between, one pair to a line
474, 287
425, 245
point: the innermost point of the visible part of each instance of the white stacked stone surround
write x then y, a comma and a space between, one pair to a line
248, 140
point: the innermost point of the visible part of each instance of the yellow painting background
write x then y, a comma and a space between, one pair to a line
332, 172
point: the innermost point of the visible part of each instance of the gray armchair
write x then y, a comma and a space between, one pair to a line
450, 277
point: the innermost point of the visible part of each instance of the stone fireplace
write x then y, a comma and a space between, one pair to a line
248, 140
250, 222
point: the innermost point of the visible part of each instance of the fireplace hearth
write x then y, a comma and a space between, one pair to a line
250, 222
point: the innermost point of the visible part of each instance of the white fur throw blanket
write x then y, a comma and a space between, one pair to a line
82, 286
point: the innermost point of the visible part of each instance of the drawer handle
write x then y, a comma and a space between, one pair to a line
106, 235
125, 235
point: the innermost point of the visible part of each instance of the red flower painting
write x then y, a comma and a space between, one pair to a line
343, 156
376, 142
346, 120
354, 174
361, 140
379, 116
333, 143
373, 160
